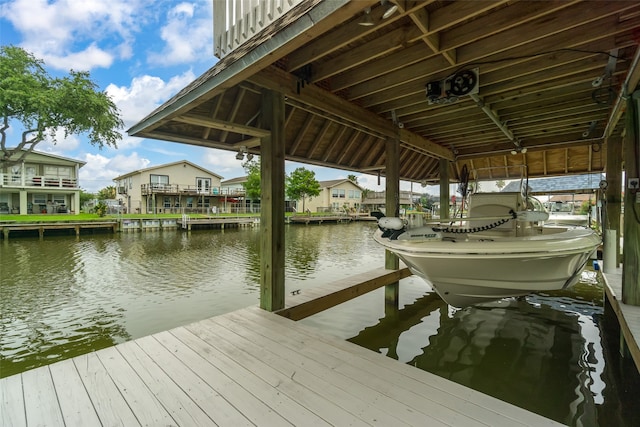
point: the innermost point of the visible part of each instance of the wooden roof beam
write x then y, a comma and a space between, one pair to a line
192, 119
279, 80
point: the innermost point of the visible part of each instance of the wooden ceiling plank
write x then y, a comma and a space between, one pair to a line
233, 112
319, 138
362, 54
506, 18
301, 134
369, 158
364, 145
380, 67
283, 82
567, 29
222, 125
164, 136
419, 72
338, 38
418, 164
403, 97
391, 83
409, 165
215, 108
335, 142
437, 21
347, 148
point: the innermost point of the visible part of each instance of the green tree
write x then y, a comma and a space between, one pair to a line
500, 184
353, 178
252, 186
86, 197
108, 192
301, 184
43, 104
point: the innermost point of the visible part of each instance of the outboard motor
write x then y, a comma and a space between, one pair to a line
391, 227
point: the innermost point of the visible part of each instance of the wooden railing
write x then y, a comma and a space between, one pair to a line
177, 189
236, 21
7, 180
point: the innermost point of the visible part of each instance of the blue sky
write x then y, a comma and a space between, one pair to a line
141, 52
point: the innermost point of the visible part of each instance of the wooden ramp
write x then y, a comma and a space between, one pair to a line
248, 367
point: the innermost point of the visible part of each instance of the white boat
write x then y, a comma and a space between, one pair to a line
501, 249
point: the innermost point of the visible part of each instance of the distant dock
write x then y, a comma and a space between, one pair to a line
70, 227
187, 223
317, 219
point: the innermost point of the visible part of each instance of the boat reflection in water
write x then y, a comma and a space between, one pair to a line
542, 352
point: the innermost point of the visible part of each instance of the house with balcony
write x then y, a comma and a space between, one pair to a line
42, 183
337, 195
178, 187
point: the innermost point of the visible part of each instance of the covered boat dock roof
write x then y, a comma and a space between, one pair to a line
491, 83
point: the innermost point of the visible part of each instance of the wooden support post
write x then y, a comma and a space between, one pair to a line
392, 205
272, 202
613, 192
631, 242
444, 188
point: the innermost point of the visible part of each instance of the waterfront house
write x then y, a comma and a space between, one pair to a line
178, 187
376, 200
42, 183
338, 195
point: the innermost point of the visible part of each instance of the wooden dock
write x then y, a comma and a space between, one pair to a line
221, 222
628, 315
305, 303
311, 219
71, 226
247, 367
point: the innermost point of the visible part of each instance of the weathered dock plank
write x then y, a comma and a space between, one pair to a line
317, 368
12, 402
204, 395
288, 408
142, 400
248, 367
109, 404
425, 393
74, 401
314, 300
40, 401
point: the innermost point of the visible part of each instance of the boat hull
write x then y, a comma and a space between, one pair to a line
466, 271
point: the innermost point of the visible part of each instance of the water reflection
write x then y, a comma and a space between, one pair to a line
63, 296
544, 352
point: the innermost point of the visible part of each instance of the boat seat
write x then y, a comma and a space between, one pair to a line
495, 205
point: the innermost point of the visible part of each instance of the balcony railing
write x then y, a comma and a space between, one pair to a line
236, 21
49, 182
176, 189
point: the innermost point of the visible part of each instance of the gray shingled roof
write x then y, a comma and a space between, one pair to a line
567, 184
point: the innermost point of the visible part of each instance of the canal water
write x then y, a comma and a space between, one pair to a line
554, 354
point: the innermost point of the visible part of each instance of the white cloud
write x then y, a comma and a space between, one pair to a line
69, 33
61, 145
145, 94
100, 170
188, 34
223, 163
